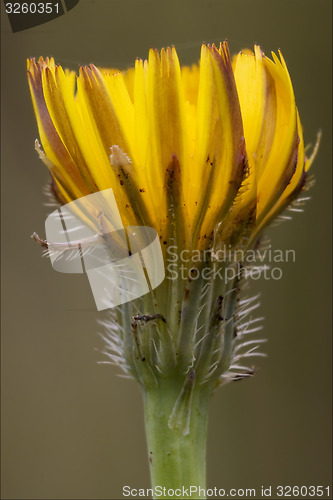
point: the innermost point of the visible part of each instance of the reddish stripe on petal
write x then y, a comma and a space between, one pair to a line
63, 115
227, 142
54, 148
101, 108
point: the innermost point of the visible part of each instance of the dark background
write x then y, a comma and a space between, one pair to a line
72, 429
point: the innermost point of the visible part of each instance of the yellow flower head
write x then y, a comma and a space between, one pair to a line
207, 156
201, 152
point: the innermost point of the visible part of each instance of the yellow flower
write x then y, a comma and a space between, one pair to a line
207, 155
215, 149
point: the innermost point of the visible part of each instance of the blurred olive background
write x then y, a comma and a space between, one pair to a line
73, 429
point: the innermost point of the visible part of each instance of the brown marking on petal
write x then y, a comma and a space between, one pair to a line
231, 123
204, 206
175, 202
223, 60
122, 164
285, 178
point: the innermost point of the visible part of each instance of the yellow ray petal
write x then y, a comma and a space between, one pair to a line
59, 98
281, 163
160, 80
56, 153
220, 152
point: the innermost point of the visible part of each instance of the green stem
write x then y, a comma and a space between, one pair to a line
177, 446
